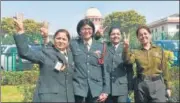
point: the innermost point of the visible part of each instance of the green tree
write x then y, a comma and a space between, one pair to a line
134, 43
31, 28
30, 25
127, 21
8, 39
7, 25
176, 36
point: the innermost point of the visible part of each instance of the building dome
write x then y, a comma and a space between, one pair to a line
93, 12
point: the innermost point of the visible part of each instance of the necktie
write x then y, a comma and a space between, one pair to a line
65, 54
87, 46
114, 47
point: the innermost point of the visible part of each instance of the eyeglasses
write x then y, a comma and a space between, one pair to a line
115, 33
88, 29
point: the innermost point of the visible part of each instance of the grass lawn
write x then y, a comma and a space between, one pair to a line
11, 94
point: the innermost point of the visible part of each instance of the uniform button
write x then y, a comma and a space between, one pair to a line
112, 77
87, 63
113, 62
88, 71
88, 55
67, 73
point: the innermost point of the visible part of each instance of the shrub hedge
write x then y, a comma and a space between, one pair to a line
19, 77
27, 80
27, 91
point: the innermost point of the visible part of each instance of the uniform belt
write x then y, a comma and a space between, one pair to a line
152, 78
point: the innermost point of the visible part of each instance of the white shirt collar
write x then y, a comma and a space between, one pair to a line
89, 42
116, 46
64, 52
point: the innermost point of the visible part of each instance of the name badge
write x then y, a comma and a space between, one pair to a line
58, 66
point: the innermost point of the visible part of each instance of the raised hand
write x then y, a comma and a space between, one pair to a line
44, 29
126, 40
100, 31
18, 20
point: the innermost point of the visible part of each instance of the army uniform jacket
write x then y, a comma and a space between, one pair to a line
116, 70
89, 74
52, 86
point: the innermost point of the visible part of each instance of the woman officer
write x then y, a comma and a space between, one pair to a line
120, 74
56, 69
152, 73
91, 80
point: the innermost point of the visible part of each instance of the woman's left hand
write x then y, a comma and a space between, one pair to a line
126, 41
168, 92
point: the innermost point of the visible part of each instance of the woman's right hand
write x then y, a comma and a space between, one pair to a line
18, 19
126, 41
100, 31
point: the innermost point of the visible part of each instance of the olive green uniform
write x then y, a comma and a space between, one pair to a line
151, 68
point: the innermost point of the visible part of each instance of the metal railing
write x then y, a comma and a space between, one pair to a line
12, 62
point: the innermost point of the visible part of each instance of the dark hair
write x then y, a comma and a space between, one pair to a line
112, 28
62, 30
84, 22
142, 27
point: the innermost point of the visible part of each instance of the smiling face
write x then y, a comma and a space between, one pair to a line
86, 32
144, 36
61, 41
115, 36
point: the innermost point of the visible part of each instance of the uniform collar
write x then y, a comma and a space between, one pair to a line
152, 46
89, 42
116, 46
64, 52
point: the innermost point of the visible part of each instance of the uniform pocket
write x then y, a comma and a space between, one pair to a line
96, 79
48, 85
78, 56
93, 59
48, 97
95, 55
78, 53
123, 80
157, 57
159, 85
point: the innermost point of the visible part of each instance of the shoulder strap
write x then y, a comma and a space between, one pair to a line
101, 60
104, 50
